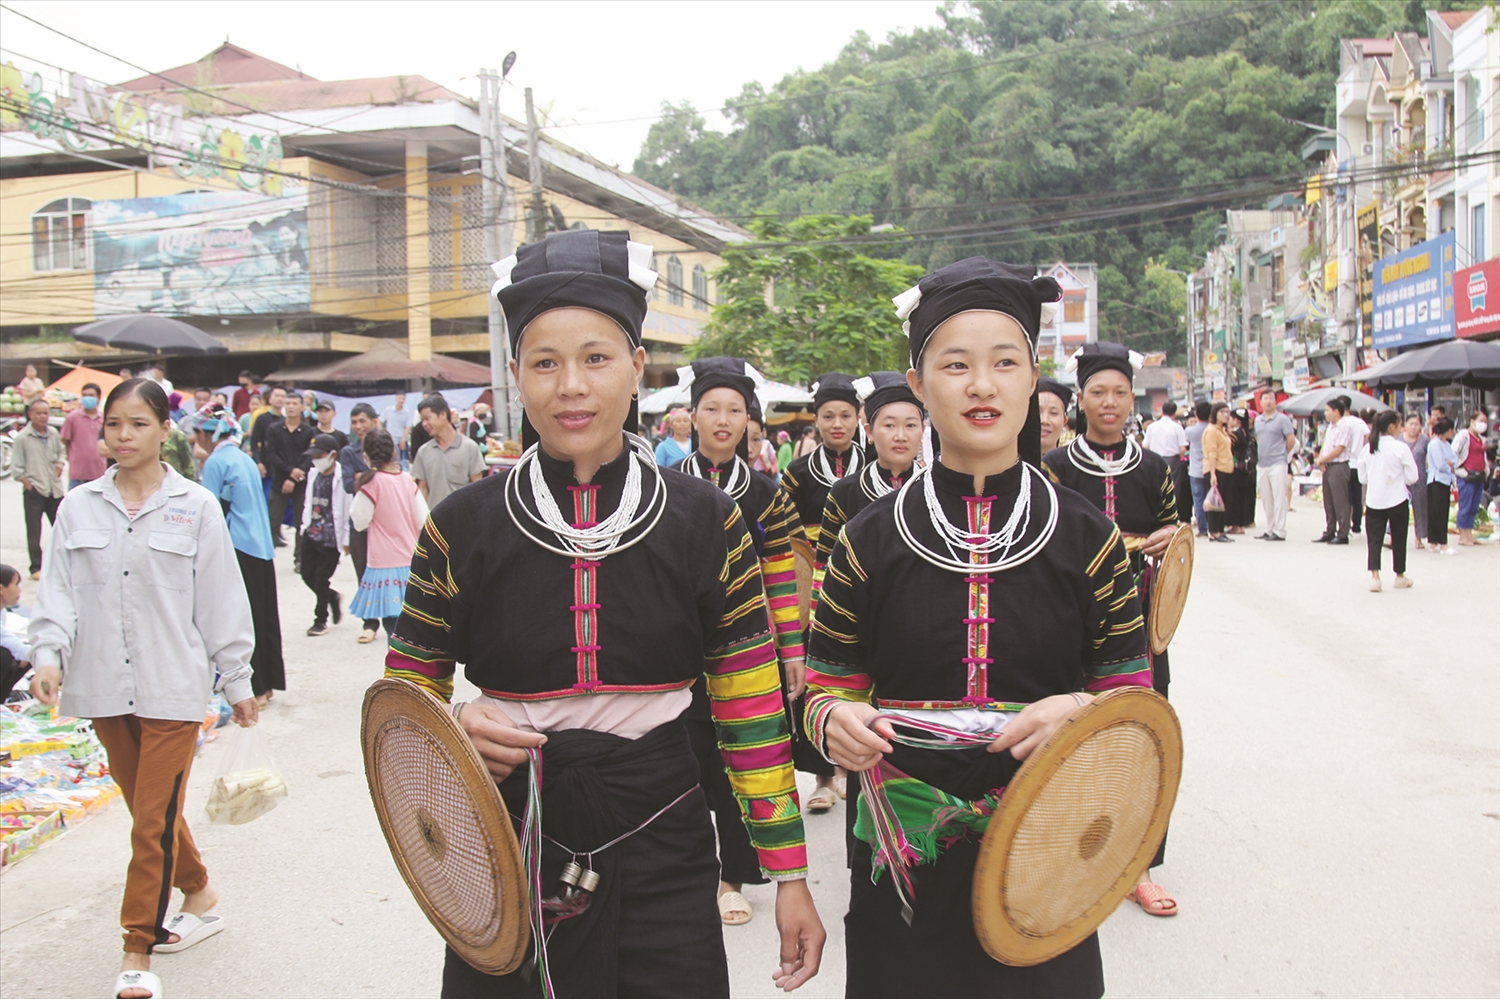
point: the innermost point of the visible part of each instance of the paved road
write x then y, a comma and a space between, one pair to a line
1337, 832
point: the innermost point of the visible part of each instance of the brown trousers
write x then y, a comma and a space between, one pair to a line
150, 759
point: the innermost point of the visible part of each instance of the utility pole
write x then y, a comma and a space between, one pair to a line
497, 231
536, 216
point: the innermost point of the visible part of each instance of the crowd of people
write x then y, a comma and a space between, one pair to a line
982, 545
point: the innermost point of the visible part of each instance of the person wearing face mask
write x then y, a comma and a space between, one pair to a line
1468, 449
325, 531
80, 433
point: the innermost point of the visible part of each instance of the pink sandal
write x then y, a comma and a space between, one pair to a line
1153, 899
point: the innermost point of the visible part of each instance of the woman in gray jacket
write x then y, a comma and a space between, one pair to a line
133, 616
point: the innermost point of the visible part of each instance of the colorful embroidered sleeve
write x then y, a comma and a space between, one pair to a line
834, 519
833, 648
779, 570
419, 649
1117, 632
744, 687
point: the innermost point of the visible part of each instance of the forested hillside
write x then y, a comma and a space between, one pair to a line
1112, 132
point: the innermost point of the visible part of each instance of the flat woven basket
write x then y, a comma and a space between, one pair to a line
1077, 826
446, 825
1169, 592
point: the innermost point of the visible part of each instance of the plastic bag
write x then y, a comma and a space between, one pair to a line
248, 785
1214, 501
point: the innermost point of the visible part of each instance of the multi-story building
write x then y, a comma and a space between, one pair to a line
293, 218
1077, 322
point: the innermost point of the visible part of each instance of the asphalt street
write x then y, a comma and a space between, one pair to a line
1337, 831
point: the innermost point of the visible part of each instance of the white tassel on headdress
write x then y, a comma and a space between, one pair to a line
863, 387
640, 264
1049, 312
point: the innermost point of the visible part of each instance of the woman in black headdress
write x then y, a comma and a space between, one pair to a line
806, 482
585, 632
722, 393
1052, 401
1134, 488
981, 600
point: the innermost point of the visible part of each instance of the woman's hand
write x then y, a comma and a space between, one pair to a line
796, 678
247, 712
802, 935
852, 743
1035, 724
500, 743
46, 684
1156, 542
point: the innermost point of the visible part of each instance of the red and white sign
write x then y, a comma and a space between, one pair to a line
1476, 299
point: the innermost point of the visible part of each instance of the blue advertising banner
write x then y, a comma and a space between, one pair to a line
206, 253
1413, 300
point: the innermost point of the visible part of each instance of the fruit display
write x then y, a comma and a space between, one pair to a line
11, 403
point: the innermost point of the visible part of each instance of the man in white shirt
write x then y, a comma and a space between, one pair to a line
1333, 462
1167, 438
1359, 433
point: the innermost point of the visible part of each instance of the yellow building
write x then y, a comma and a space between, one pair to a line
290, 217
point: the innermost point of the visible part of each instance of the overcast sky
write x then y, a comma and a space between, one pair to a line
590, 64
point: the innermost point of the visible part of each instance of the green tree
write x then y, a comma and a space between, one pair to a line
800, 305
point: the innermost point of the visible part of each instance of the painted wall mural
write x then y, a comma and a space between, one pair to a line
202, 253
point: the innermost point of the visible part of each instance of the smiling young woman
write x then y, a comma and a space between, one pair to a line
1014, 598
587, 592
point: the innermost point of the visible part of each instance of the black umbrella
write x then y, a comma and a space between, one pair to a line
151, 334
1468, 362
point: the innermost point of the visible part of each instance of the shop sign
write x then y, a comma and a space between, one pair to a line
1476, 299
1413, 300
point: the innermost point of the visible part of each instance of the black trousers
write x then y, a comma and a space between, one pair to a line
1439, 496
1376, 522
652, 927
268, 669
35, 506
1336, 510
1356, 501
278, 504
359, 545
739, 864
318, 563
1218, 520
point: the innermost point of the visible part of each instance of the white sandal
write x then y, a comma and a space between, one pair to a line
822, 799
137, 980
734, 909
190, 929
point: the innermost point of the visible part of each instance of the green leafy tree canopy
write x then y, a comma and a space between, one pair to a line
798, 304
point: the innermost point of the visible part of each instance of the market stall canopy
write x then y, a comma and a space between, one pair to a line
74, 381
150, 333
1312, 402
770, 394
1474, 363
386, 361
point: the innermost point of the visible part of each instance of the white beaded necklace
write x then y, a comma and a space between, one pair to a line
605, 537
874, 484
1091, 462
822, 469
739, 474
958, 540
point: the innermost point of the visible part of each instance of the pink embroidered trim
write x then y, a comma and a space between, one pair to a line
585, 606
977, 622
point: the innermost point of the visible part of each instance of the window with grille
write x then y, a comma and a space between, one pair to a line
1475, 117
700, 288
440, 237
320, 231
674, 280
656, 268
60, 236
477, 275
390, 244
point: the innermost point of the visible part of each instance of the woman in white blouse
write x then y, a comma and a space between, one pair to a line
1387, 468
